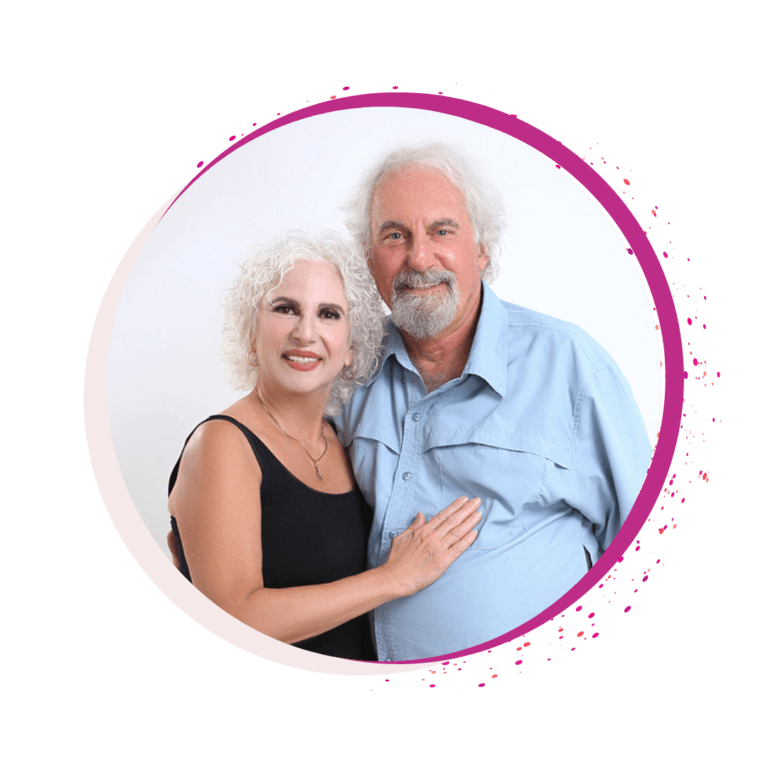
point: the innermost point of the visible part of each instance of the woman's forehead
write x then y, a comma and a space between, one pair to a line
312, 281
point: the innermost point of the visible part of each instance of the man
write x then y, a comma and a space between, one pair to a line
478, 397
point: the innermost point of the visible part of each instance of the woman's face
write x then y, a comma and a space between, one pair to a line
302, 334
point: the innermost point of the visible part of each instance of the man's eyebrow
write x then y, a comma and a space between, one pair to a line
444, 223
392, 225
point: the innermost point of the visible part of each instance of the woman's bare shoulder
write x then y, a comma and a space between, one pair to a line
217, 460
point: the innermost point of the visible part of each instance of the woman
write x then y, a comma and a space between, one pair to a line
267, 519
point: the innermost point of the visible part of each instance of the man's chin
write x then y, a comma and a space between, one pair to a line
422, 316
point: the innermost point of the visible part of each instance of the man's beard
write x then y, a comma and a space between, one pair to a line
422, 316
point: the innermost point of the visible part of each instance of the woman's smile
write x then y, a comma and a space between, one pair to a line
302, 360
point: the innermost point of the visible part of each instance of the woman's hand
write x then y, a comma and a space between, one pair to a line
423, 551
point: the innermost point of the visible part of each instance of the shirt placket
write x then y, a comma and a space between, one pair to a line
400, 508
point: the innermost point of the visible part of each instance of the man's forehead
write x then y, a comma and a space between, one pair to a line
400, 180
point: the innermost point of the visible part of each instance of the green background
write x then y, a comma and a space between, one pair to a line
110, 109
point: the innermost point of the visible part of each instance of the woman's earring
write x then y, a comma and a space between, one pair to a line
253, 360
348, 372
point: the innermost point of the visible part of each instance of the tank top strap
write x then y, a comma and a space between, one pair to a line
267, 460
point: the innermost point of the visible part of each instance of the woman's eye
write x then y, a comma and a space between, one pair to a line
329, 314
282, 309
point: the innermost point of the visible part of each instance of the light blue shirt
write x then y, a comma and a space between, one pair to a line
542, 427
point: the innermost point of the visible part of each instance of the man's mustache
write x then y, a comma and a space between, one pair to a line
412, 279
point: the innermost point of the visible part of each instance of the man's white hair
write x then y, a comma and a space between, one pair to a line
481, 199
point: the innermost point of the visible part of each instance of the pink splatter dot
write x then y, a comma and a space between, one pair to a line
345, 88
626, 181
595, 635
200, 164
628, 608
695, 361
664, 253
718, 374
689, 321
591, 616
578, 608
685, 374
481, 685
395, 87
518, 662
232, 138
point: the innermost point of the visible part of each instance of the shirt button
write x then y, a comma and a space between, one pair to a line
392, 534
406, 475
416, 416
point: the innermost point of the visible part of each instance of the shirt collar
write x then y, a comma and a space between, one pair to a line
488, 355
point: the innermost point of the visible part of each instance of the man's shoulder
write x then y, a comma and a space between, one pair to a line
527, 326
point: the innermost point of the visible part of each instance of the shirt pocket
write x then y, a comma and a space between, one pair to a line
508, 472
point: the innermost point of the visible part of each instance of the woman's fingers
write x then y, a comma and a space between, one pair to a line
418, 521
456, 514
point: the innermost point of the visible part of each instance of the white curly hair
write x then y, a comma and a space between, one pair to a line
265, 269
481, 199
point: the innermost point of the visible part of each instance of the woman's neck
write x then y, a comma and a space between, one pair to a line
300, 415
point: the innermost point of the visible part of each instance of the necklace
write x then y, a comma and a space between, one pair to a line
282, 429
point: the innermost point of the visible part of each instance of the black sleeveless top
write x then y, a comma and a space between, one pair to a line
307, 537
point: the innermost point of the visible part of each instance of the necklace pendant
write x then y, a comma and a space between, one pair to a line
318, 473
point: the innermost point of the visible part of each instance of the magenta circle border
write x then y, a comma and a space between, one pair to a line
646, 258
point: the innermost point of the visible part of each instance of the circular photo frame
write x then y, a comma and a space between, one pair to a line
572, 249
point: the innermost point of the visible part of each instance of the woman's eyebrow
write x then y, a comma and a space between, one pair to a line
334, 307
283, 300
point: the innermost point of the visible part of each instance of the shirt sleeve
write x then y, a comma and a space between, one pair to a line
612, 453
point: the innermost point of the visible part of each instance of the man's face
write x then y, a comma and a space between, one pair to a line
424, 257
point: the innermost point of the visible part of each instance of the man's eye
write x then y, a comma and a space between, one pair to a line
442, 231
395, 236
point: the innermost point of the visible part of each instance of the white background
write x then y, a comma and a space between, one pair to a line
561, 255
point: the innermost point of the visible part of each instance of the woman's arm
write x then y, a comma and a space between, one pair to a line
216, 502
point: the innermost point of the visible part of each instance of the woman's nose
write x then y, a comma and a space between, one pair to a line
304, 329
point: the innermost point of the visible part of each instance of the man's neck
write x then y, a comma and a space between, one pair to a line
442, 358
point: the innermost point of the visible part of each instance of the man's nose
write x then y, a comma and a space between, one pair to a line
420, 255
